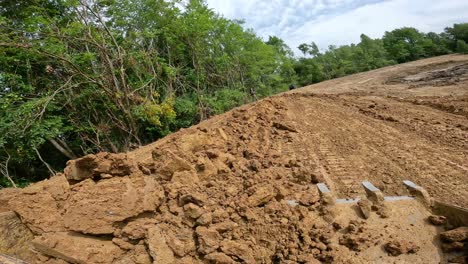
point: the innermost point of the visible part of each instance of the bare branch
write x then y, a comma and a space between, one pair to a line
4, 170
52, 172
62, 149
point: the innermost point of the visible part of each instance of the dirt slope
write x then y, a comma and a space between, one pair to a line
240, 187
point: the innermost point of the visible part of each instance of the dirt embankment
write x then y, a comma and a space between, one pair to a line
240, 188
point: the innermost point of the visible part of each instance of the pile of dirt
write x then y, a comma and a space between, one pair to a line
240, 188
215, 194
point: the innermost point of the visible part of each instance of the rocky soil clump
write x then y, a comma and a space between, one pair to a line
216, 195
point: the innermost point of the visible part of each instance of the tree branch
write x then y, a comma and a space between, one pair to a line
62, 150
4, 170
52, 172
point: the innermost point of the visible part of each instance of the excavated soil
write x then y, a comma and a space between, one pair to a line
240, 187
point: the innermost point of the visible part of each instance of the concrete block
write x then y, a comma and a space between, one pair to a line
419, 192
326, 195
372, 192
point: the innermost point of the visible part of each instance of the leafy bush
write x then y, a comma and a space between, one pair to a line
225, 99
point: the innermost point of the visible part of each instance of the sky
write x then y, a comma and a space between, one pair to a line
339, 22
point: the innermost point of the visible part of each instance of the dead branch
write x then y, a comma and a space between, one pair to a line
62, 149
52, 172
4, 170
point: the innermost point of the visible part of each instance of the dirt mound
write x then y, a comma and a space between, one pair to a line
240, 188
219, 194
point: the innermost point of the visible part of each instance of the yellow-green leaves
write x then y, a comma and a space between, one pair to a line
153, 113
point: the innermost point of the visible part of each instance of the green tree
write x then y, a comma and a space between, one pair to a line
437, 44
462, 46
404, 44
371, 54
280, 46
458, 32
81, 76
452, 35
309, 49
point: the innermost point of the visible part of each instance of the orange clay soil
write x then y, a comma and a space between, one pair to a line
240, 187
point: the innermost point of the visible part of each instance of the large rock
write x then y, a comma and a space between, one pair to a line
94, 208
5, 196
287, 126
262, 195
181, 241
208, 240
138, 228
205, 168
219, 258
75, 248
40, 205
455, 235
57, 186
192, 211
454, 246
437, 220
239, 250
15, 237
398, 247
366, 207
194, 142
103, 165
172, 164
158, 247
187, 178
38, 210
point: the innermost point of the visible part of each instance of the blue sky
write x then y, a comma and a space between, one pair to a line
339, 22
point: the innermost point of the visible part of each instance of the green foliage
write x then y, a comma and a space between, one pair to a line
309, 49
186, 109
437, 44
369, 54
225, 99
78, 77
456, 37
458, 32
404, 44
462, 47
397, 46
153, 113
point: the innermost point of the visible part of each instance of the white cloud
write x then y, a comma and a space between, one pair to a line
340, 22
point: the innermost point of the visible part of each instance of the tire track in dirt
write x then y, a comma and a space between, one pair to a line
337, 172
339, 169
349, 147
401, 155
422, 151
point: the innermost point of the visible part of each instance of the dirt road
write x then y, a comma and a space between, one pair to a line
407, 121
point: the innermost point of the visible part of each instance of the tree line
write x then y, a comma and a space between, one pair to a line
396, 46
83, 76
